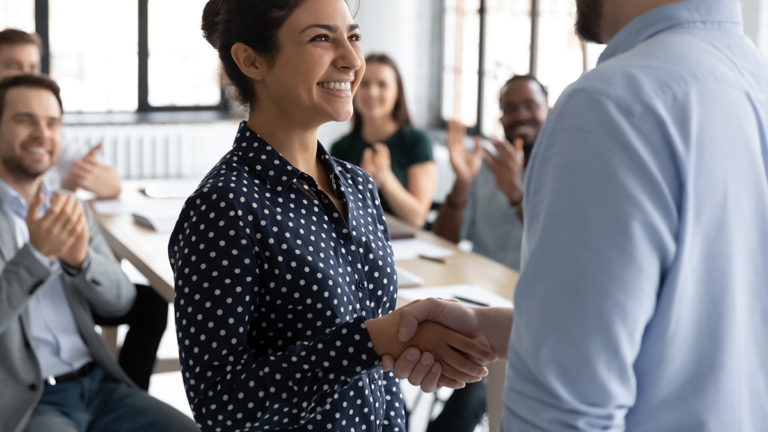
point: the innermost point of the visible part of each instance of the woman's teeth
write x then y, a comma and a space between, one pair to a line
336, 85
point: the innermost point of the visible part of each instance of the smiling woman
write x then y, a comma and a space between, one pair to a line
285, 279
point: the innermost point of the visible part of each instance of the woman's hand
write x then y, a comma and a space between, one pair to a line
377, 162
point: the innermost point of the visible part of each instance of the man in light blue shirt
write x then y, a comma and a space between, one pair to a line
56, 272
643, 299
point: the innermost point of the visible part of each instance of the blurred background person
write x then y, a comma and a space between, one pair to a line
485, 207
78, 168
56, 273
148, 318
385, 144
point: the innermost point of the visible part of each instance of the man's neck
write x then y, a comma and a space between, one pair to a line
26, 188
618, 13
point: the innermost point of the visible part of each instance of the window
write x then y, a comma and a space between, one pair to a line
18, 14
95, 73
461, 65
507, 31
560, 53
182, 65
117, 56
506, 37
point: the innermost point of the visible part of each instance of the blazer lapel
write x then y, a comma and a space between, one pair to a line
7, 237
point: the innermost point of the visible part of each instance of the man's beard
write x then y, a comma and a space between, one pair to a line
589, 13
528, 148
17, 169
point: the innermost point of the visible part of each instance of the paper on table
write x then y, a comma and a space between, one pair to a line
109, 207
171, 189
411, 249
160, 216
476, 296
407, 279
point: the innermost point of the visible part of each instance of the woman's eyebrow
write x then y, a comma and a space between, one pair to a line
329, 28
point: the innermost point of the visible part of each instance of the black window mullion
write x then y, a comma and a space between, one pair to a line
481, 70
143, 56
42, 29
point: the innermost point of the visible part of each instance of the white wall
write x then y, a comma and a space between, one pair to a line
410, 32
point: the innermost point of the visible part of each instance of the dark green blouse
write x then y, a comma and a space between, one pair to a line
407, 146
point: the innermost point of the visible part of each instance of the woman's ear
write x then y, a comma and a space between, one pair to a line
250, 63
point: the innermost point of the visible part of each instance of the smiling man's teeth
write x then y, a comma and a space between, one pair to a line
336, 85
36, 150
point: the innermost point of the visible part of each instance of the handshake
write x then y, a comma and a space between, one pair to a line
440, 343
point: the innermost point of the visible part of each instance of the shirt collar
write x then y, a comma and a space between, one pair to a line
270, 164
722, 14
15, 203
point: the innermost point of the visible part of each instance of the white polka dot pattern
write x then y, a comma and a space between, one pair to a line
273, 287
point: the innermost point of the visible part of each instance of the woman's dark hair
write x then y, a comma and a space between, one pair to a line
252, 22
400, 112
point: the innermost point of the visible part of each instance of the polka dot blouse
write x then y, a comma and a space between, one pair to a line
273, 287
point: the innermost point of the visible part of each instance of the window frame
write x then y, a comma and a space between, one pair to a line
42, 23
532, 60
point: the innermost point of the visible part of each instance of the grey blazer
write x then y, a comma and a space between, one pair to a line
102, 288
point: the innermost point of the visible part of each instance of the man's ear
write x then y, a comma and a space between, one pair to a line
250, 63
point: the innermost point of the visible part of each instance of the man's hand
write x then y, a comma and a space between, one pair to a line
74, 255
465, 163
507, 168
87, 173
59, 232
490, 324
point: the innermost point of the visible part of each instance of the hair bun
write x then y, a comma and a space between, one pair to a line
211, 22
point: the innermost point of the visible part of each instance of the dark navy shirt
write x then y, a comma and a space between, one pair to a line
273, 288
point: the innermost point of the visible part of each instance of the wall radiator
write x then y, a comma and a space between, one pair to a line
146, 151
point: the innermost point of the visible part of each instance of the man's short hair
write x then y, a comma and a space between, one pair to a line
11, 36
28, 80
531, 78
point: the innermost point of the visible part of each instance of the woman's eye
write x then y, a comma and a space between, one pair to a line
321, 38
355, 37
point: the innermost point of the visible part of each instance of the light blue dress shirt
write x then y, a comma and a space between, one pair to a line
53, 331
490, 222
643, 298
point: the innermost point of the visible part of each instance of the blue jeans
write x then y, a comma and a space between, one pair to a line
93, 403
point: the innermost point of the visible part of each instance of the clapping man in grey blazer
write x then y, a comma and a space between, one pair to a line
56, 271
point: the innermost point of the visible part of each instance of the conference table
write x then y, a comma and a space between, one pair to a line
146, 249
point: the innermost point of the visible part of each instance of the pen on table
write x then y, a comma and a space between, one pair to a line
470, 301
431, 258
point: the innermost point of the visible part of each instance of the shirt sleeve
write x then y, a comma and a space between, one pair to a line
419, 148
466, 232
231, 386
600, 229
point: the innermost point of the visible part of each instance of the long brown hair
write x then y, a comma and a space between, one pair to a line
400, 111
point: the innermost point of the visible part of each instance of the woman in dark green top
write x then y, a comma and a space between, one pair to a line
397, 156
